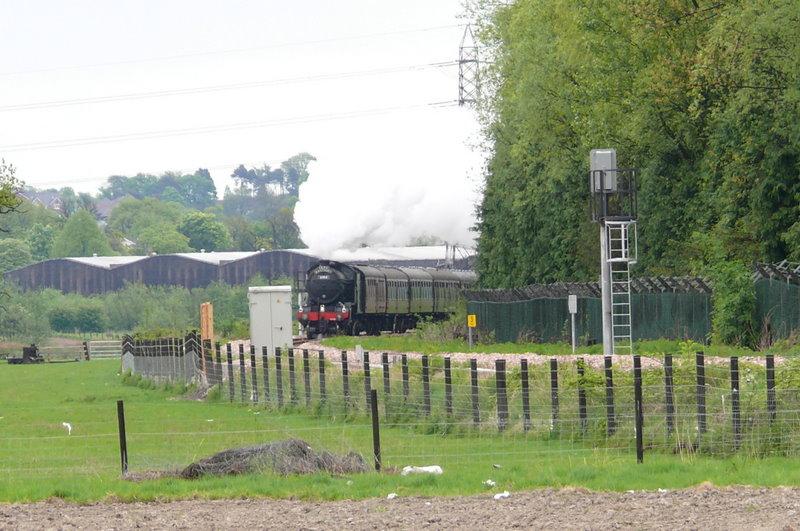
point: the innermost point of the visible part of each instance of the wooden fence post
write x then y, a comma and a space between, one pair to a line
638, 407
735, 413
242, 373
406, 384
307, 377
292, 377
387, 387
279, 376
426, 386
581, 364
265, 372
322, 387
376, 437
701, 393
772, 404
502, 397
448, 388
345, 381
253, 375
669, 396
526, 405
367, 382
218, 365
553, 393
229, 352
473, 377
611, 417
123, 440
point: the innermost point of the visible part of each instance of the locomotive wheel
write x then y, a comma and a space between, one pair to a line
356, 328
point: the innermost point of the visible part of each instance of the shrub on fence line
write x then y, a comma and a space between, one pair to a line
733, 303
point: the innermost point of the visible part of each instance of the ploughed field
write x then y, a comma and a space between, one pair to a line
699, 508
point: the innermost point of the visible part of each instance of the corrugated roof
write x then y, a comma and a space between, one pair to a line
216, 257
360, 254
105, 262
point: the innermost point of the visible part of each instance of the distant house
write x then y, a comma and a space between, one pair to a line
49, 199
105, 206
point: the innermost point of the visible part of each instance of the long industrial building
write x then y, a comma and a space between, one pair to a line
100, 274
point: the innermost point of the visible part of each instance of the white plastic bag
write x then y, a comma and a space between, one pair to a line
431, 469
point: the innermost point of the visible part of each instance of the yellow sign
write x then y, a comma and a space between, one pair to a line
472, 320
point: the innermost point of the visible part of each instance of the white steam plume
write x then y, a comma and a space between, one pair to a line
343, 206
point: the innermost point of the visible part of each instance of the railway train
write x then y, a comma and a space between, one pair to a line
356, 299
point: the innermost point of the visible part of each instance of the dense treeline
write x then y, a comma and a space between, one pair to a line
34, 316
702, 96
168, 213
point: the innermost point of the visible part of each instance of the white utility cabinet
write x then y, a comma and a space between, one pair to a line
270, 317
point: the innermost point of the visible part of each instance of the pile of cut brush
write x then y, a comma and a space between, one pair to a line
292, 456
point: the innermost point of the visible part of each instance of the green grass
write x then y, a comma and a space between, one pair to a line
166, 430
413, 343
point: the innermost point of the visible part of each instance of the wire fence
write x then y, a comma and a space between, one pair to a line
447, 410
696, 404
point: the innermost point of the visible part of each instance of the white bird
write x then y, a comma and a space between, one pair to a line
68, 426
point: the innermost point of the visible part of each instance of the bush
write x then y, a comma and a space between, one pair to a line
83, 316
734, 303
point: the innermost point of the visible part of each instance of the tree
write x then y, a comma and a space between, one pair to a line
194, 190
204, 232
14, 254
40, 239
284, 233
198, 189
69, 201
162, 239
132, 216
80, 237
295, 172
248, 235
700, 96
9, 185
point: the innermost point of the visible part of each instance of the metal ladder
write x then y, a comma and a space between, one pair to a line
620, 258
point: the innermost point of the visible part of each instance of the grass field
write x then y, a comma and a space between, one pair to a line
166, 430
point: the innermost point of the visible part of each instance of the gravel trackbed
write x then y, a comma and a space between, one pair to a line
697, 508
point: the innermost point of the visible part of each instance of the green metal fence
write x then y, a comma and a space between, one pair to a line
778, 304
655, 315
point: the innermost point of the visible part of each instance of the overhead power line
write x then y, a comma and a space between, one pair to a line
190, 55
145, 135
220, 88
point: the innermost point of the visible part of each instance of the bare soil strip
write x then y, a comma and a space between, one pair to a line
698, 508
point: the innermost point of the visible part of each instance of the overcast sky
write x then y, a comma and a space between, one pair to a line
349, 81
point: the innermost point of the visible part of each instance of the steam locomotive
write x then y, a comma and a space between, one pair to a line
356, 299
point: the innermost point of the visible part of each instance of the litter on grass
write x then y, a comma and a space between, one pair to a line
431, 469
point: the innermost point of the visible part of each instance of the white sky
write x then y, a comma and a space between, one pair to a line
54, 51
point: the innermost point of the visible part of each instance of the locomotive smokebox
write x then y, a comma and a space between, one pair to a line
324, 284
